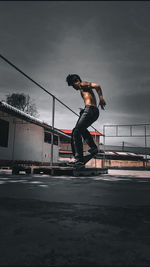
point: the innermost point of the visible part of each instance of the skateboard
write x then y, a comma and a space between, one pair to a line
85, 160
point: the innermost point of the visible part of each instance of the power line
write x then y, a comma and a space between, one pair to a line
28, 77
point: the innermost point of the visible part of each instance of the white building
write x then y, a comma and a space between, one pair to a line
25, 139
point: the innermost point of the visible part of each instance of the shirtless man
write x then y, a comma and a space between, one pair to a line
87, 116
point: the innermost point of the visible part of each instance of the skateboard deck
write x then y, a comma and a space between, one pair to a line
85, 159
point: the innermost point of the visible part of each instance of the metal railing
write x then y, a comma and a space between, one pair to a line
53, 102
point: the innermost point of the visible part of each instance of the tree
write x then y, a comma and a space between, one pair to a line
22, 102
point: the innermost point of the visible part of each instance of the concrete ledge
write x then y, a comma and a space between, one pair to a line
144, 168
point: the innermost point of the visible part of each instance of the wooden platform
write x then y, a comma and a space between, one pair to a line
59, 171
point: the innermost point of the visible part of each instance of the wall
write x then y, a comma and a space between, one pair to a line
123, 163
26, 142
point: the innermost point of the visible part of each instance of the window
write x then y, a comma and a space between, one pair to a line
64, 140
4, 130
47, 138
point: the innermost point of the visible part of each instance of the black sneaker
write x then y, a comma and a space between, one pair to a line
76, 164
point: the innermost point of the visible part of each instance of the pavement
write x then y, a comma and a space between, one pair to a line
75, 221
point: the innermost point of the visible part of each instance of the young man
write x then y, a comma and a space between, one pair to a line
87, 116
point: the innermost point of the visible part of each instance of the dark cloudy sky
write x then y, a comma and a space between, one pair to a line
104, 42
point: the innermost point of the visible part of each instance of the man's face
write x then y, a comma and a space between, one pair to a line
76, 85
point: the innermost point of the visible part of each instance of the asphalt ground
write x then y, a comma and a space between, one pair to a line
75, 221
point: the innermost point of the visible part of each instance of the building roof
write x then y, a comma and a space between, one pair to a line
24, 116
70, 131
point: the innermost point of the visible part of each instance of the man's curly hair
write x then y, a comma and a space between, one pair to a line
71, 78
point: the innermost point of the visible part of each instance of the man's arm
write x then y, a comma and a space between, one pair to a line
98, 89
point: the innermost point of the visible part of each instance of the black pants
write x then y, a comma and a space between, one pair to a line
87, 116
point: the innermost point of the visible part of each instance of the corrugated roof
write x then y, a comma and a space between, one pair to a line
22, 115
70, 131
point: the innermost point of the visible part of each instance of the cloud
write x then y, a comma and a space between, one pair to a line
98, 40
135, 106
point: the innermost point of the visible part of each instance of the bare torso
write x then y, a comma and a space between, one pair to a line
87, 95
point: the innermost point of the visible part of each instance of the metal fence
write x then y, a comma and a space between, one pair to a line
128, 132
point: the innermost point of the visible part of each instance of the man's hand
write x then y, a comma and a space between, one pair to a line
81, 111
102, 103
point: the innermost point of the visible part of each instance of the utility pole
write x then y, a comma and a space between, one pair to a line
145, 147
123, 146
52, 133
